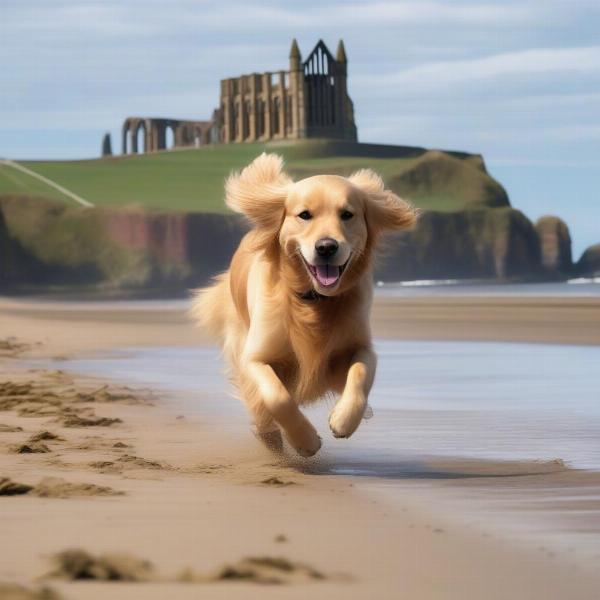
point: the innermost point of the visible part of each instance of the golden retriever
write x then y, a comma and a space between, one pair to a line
292, 311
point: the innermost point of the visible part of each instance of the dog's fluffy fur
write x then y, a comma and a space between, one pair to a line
288, 333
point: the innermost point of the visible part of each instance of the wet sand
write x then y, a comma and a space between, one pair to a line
567, 320
193, 495
544, 319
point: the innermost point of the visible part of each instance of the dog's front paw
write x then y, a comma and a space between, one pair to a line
310, 450
345, 419
305, 442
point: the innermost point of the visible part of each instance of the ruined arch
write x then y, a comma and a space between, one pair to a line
140, 137
170, 136
141, 134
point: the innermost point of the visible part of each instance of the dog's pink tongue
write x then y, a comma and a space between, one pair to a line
327, 274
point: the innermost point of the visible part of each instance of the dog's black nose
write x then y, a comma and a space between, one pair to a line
326, 247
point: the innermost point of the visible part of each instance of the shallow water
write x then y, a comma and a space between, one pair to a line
578, 287
477, 400
436, 404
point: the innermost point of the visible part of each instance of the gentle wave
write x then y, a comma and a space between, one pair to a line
580, 280
422, 283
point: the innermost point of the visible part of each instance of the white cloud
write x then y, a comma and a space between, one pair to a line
443, 74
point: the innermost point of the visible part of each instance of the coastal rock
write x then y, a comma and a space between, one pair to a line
472, 244
589, 263
138, 251
555, 246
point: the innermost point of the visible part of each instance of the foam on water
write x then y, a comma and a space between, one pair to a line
580, 287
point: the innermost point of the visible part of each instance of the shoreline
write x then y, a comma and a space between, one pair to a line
197, 493
566, 320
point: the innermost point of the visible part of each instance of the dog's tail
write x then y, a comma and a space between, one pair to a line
210, 306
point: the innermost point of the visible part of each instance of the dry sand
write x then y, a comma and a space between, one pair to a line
182, 508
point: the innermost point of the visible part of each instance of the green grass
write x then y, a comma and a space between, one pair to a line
192, 179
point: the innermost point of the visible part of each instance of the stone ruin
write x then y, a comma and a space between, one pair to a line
310, 100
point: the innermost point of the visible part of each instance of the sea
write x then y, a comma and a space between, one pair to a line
437, 403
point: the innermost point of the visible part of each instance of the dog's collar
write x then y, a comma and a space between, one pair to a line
310, 296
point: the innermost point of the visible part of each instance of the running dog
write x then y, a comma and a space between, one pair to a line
292, 311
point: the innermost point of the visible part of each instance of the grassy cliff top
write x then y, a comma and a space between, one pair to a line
192, 179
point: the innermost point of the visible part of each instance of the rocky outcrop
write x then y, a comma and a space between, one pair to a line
439, 175
589, 263
473, 244
555, 246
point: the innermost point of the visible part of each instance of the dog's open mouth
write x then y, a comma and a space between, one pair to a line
326, 275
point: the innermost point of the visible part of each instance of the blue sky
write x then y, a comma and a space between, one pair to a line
518, 82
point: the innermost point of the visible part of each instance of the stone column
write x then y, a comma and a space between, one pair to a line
133, 129
266, 96
251, 116
125, 133
283, 104
151, 142
296, 92
226, 109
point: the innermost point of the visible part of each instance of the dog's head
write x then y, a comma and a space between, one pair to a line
326, 226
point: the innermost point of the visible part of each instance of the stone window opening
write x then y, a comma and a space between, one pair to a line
276, 111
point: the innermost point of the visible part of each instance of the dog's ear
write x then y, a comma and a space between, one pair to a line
384, 210
259, 191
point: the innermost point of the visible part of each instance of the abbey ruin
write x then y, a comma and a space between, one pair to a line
310, 100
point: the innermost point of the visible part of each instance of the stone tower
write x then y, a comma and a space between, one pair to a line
309, 101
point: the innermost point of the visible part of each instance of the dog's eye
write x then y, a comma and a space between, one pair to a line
346, 215
305, 215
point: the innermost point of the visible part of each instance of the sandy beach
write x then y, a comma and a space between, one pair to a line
199, 508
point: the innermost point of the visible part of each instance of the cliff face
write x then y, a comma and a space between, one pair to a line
10, 260
16, 264
191, 246
473, 244
49, 244
45, 244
